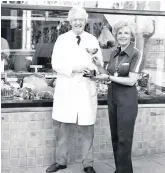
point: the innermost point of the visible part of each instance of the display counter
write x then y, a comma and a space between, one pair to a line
146, 95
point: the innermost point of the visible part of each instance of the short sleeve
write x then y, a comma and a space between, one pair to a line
136, 62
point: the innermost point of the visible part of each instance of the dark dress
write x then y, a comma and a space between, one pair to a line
123, 107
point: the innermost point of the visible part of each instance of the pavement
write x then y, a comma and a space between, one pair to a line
145, 164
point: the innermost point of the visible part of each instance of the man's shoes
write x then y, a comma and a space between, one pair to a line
89, 170
55, 167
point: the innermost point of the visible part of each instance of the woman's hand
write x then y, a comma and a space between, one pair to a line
81, 70
96, 61
86, 71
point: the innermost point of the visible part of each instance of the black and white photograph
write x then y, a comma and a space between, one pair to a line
83, 86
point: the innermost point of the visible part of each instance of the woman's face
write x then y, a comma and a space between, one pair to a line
124, 36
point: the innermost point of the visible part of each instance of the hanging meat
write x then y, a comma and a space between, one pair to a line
106, 39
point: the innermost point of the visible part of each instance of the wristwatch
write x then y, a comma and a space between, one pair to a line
109, 78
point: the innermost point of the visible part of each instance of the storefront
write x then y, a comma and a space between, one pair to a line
28, 132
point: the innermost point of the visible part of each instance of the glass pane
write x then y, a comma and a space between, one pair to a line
31, 35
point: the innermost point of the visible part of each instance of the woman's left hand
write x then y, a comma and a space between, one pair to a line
102, 77
96, 61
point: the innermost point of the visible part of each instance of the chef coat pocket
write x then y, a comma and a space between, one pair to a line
124, 69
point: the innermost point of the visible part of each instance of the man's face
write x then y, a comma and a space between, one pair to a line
78, 23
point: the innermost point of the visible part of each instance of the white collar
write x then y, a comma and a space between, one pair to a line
81, 35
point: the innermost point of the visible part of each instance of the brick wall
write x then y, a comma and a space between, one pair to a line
28, 136
149, 135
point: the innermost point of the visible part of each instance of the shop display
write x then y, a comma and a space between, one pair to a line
7, 91
32, 87
26, 93
36, 83
37, 87
45, 95
102, 91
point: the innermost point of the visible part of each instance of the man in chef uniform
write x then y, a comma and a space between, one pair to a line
75, 97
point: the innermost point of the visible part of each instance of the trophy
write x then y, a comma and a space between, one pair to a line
91, 51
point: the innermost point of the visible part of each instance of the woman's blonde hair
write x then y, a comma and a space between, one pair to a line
122, 24
77, 9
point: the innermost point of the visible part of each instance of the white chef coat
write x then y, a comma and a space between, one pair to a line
75, 97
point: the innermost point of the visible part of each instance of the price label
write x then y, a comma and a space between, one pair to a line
50, 75
11, 79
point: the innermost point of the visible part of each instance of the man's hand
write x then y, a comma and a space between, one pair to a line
81, 70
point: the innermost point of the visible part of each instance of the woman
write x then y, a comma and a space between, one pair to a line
122, 72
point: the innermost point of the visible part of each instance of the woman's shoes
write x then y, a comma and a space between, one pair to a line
55, 167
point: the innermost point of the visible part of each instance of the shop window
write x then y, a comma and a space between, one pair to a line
31, 32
